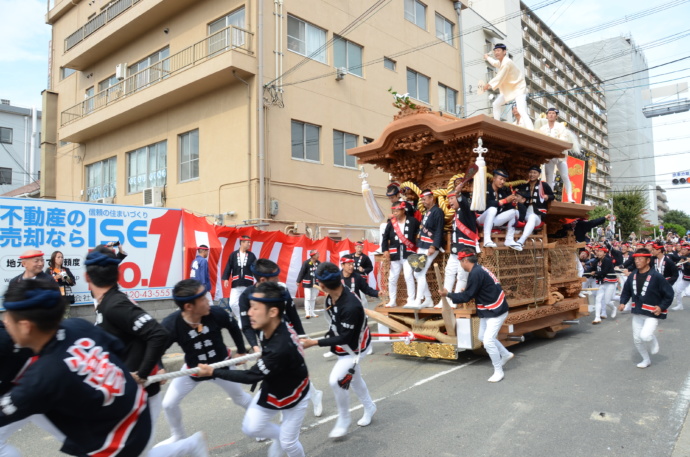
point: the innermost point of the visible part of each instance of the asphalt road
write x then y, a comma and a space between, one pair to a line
579, 394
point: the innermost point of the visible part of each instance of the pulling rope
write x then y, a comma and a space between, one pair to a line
190, 371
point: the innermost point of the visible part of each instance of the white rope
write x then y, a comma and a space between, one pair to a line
191, 371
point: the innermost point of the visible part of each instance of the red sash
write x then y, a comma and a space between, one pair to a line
409, 244
465, 230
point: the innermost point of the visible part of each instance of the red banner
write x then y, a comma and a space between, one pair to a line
576, 172
288, 251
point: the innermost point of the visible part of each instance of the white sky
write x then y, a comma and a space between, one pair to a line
25, 38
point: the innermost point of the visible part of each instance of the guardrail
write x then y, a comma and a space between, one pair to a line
100, 20
228, 39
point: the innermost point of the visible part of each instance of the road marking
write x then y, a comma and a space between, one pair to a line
378, 400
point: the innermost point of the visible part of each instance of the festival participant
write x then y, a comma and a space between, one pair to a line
363, 266
281, 370
348, 337
492, 308
683, 284
580, 228
200, 269
537, 195
33, 263
663, 264
14, 360
519, 120
265, 270
511, 84
606, 278
499, 209
429, 244
308, 281
556, 130
651, 295
397, 245
463, 234
77, 378
196, 327
362, 262
237, 271
144, 338
353, 280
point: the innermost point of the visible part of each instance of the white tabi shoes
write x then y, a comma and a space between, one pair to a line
654, 346
490, 244
497, 376
506, 358
644, 364
413, 304
368, 414
427, 303
340, 428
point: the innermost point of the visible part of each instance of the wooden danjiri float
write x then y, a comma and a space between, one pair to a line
428, 150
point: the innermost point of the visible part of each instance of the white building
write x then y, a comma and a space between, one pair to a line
630, 132
20, 146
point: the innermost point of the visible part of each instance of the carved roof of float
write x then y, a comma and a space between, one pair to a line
424, 132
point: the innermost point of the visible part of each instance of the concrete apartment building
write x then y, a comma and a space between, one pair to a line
555, 76
162, 99
630, 132
20, 150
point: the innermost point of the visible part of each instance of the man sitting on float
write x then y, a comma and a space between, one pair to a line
536, 195
499, 209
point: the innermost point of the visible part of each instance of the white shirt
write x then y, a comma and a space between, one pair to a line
509, 80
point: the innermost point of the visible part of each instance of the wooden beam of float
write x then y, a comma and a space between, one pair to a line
429, 148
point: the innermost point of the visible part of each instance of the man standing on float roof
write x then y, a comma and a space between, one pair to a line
511, 84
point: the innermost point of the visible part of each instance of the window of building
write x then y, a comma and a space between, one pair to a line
341, 143
415, 12
109, 89
149, 70
89, 100
447, 99
189, 155
229, 37
306, 39
347, 54
305, 141
146, 167
5, 176
418, 86
389, 63
65, 72
444, 29
101, 179
5, 135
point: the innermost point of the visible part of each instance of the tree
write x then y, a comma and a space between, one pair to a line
629, 206
677, 217
598, 211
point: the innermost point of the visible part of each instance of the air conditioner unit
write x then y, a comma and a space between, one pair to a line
153, 196
340, 73
121, 71
108, 200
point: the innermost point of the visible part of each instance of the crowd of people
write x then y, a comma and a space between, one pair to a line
49, 362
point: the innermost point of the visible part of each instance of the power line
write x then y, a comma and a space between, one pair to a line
17, 162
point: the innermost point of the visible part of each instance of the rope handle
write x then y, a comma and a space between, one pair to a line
190, 371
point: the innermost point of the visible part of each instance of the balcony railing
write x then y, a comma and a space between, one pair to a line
111, 12
227, 39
